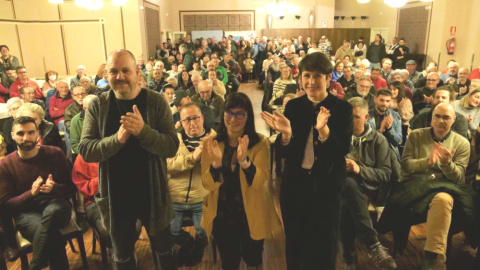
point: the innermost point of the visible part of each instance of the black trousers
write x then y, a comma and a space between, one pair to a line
235, 83
355, 220
94, 219
41, 227
234, 243
311, 215
125, 235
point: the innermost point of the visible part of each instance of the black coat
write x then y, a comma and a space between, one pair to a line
310, 200
408, 205
300, 112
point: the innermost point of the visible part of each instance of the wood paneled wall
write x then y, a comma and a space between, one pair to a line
335, 35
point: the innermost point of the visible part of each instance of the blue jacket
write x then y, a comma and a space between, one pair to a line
394, 134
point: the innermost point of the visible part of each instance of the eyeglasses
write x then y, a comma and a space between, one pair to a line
195, 119
431, 80
29, 93
80, 94
444, 117
238, 115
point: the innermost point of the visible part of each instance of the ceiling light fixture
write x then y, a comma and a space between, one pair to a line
278, 8
396, 3
93, 4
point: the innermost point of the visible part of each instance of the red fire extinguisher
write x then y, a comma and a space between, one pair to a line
451, 46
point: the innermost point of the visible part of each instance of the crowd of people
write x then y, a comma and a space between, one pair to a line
155, 141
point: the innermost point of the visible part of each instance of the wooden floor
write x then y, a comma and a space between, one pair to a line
274, 258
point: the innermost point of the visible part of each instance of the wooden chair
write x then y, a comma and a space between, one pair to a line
69, 232
103, 248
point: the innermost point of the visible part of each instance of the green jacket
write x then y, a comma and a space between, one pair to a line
158, 137
76, 130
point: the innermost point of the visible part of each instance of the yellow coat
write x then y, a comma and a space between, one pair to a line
263, 221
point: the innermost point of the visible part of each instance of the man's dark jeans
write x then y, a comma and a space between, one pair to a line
41, 226
235, 83
125, 235
355, 220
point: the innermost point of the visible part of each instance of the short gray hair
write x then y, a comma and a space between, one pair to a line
397, 72
14, 100
31, 108
358, 102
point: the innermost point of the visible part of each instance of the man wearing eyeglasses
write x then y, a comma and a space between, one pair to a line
434, 163
185, 183
423, 96
207, 97
86, 83
75, 107
363, 90
181, 98
444, 94
28, 95
23, 80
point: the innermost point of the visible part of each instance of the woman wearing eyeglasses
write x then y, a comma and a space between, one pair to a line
238, 211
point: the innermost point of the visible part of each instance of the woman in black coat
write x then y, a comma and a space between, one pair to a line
315, 136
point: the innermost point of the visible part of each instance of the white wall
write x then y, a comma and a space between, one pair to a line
42, 46
379, 15
323, 10
447, 13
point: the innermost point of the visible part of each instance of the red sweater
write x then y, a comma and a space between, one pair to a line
16, 85
475, 74
85, 177
57, 106
379, 83
3, 91
17, 176
337, 86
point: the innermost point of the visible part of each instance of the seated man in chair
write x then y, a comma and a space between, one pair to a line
35, 184
433, 168
185, 182
369, 167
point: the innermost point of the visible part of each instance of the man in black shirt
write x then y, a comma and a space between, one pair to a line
130, 131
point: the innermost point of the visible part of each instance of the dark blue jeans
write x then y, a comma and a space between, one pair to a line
180, 209
41, 226
355, 220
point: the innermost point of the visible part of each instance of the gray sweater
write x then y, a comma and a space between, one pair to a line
158, 137
473, 111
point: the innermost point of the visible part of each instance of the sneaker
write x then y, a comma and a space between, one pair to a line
381, 258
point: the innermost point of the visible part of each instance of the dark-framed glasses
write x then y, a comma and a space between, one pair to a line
195, 119
238, 115
80, 95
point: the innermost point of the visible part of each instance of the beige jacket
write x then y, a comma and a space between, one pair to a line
185, 183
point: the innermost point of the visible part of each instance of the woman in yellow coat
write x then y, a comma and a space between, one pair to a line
238, 210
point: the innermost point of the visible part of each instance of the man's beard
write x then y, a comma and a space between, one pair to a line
26, 146
382, 109
362, 94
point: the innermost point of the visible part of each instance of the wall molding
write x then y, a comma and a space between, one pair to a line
183, 13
